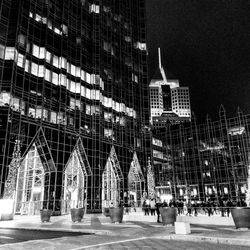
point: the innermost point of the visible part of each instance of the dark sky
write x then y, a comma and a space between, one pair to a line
206, 45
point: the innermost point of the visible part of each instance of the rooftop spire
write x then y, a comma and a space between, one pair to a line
159, 55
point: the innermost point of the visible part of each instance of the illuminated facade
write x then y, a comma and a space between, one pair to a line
71, 73
169, 103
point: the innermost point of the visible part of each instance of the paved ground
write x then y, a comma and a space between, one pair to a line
9, 236
140, 234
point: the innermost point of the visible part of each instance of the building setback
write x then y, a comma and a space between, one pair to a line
74, 102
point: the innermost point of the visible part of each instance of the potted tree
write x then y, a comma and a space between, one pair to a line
106, 211
168, 215
116, 213
241, 214
45, 214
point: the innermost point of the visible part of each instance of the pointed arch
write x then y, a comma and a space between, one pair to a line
79, 151
135, 181
33, 179
76, 172
112, 181
41, 144
135, 172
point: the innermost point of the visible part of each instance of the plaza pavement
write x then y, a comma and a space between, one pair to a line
214, 229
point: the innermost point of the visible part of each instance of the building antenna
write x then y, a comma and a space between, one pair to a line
159, 55
165, 80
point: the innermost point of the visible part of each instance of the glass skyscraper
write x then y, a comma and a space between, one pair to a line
73, 102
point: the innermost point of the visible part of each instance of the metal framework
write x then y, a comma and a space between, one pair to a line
112, 181
206, 161
136, 182
76, 175
34, 175
69, 69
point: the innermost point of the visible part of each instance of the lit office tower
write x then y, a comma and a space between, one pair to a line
181, 102
169, 103
73, 103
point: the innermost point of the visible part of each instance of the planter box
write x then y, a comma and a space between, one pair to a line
116, 214
106, 212
45, 215
168, 215
241, 217
77, 214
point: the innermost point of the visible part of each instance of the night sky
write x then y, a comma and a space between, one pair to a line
206, 45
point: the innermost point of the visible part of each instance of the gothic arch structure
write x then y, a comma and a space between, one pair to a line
136, 182
33, 180
76, 175
112, 181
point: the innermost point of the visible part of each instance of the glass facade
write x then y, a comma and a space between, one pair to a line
204, 161
69, 71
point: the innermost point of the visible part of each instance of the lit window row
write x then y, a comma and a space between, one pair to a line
36, 111
63, 30
134, 78
157, 142
61, 63
93, 8
141, 46
11, 53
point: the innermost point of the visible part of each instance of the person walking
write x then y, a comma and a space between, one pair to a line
152, 206
229, 206
158, 204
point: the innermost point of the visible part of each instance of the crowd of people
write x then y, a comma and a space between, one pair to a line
189, 208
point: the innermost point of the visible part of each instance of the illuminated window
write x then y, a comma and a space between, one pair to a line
63, 80
27, 65
109, 133
9, 53
4, 98
93, 8
78, 72
20, 60
72, 103
141, 46
47, 75
42, 53
35, 50
38, 18
32, 112
78, 104
88, 93
72, 69
53, 117
40, 71
62, 118
21, 40
45, 115
78, 88
57, 31
15, 103
63, 63
64, 29
38, 112
56, 61
83, 91
55, 78
48, 57
87, 77
73, 87
83, 75
34, 68
88, 109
